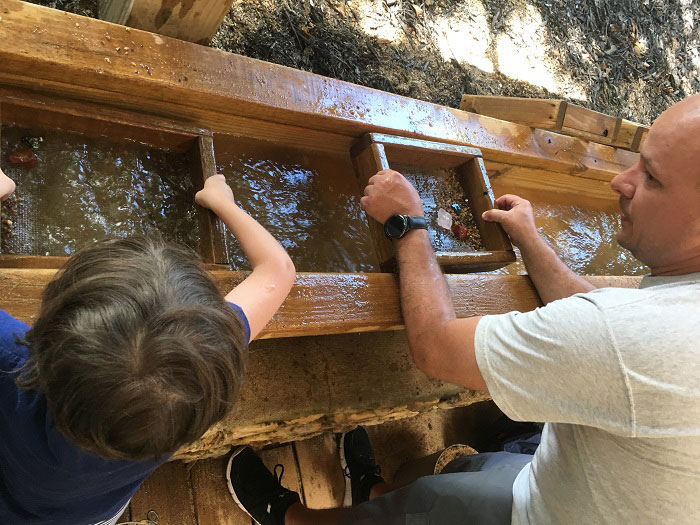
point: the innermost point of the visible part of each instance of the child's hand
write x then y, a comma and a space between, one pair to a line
7, 186
215, 194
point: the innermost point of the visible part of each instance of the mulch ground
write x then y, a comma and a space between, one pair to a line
633, 57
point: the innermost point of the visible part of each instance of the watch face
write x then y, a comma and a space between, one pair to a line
395, 226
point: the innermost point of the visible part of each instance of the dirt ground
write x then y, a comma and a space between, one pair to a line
624, 57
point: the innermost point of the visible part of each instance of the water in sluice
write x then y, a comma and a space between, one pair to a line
583, 236
310, 202
84, 189
439, 188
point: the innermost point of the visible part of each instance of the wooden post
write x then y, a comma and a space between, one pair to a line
195, 21
212, 236
368, 159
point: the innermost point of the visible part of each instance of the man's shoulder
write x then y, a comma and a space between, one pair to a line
661, 298
610, 298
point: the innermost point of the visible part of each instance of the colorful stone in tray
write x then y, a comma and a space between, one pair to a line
459, 231
444, 219
24, 158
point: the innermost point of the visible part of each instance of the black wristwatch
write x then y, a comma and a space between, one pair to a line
397, 226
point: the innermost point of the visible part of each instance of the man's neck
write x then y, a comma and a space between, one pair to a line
684, 266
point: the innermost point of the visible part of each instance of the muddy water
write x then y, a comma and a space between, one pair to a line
308, 201
439, 188
583, 236
85, 189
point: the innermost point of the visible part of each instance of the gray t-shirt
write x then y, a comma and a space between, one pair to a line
615, 373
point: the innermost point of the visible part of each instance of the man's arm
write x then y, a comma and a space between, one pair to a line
551, 277
262, 293
441, 345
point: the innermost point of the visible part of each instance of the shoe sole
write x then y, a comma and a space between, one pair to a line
230, 485
347, 497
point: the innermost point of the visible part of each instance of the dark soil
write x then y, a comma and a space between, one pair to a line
633, 58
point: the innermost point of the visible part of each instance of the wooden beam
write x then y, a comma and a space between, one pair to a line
590, 125
326, 303
535, 112
212, 247
507, 178
195, 21
557, 115
630, 135
96, 61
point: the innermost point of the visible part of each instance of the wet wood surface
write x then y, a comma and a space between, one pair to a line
96, 61
507, 178
329, 303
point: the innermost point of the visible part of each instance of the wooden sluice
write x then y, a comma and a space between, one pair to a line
334, 355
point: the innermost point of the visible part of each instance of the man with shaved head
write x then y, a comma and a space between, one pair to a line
614, 373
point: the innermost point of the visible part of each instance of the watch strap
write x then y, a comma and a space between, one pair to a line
416, 223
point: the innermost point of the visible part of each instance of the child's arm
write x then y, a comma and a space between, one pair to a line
7, 186
264, 290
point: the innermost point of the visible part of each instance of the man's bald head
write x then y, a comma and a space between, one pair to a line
660, 195
676, 139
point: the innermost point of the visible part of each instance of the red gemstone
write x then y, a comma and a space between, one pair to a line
459, 231
24, 158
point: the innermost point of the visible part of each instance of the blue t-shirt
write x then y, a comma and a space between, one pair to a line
44, 478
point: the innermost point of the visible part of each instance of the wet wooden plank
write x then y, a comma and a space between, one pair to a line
212, 500
193, 21
36, 111
329, 303
507, 178
214, 89
168, 492
321, 475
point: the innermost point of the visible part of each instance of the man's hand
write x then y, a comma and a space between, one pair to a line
389, 193
7, 186
215, 194
516, 217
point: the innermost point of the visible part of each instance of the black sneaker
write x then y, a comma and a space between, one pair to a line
256, 490
360, 469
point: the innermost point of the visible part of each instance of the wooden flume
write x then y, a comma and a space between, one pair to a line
173, 94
